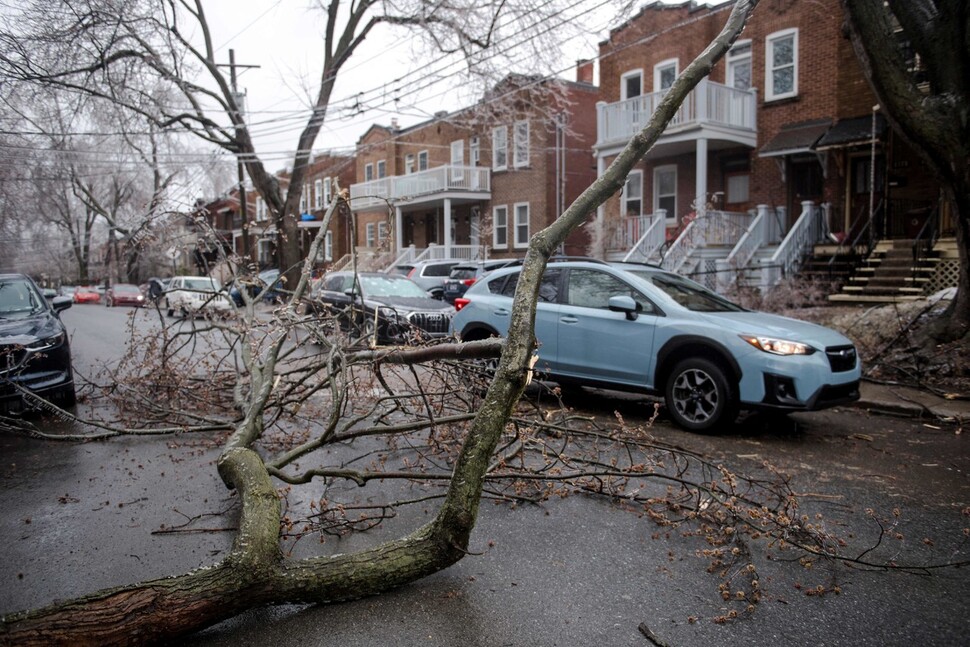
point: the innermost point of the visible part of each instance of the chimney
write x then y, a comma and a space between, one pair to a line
584, 71
394, 123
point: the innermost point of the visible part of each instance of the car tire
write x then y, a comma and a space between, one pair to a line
699, 395
168, 308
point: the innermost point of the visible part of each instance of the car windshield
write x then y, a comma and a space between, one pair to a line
460, 272
202, 284
390, 286
17, 298
687, 293
126, 289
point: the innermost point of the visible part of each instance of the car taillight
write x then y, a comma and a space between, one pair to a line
469, 282
411, 273
461, 303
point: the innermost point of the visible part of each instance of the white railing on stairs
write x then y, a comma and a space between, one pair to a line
648, 233
711, 228
751, 241
807, 231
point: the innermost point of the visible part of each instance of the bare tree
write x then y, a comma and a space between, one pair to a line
916, 55
466, 446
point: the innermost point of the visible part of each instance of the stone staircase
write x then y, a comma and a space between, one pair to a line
889, 275
830, 265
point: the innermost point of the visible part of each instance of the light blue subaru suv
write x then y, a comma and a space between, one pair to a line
637, 327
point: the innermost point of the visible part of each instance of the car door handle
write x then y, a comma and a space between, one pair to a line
569, 319
501, 312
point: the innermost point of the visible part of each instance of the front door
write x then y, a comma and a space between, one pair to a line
860, 180
806, 184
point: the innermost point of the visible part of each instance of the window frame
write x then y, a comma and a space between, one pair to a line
672, 213
318, 194
409, 164
502, 150
625, 197
658, 70
368, 172
733, 59
328, 246
370, 231
423, 161
771, 40
520, 144
502, 226
381, 169
624, 94
517, 244
327, 197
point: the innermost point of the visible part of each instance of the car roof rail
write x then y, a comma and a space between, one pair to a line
558, 259
655, 266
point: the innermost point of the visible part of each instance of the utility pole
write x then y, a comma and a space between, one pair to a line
240, 167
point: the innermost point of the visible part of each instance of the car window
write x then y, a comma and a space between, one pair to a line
390, 286
548, 288
336, 283
16, 297
437, 269
462, 273
593, 289
693, 296
202, 284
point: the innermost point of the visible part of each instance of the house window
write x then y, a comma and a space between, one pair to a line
665, 190
781, 65
633, 194
368, 172
303, 198
423, 161
328, 246
318, 194
737, 188
500, 140
500, 227
381, 232
261, 211
264, 251
326, 191
408, 164
739, 65
370, 230
457, 160
631, 85
522, 224
521, 148
474, 151
381, 169
664, 75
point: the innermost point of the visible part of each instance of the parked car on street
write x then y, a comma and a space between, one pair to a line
430, 275
638, 327
35, 353
256, 286
154, 288
464, 275
86, 294
192, 295
124, 294
391, 308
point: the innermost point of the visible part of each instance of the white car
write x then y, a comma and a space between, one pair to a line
192, 295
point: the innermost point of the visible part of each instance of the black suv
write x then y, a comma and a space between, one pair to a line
34, 351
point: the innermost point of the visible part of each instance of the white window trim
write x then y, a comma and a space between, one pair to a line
369, 234
671, 217
328, 246
627, 75
409, 164
381, 232
368, 172
496, 166
733, 59
770, 40
260, 209
318, 194
381, 171
326, 192
474, 151
427, 160
495, 226
662, 65
517, 146
515, 225
623, 200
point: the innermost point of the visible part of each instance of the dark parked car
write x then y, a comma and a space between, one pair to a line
395, 308
124, 294
429, 274
34, 350
464, 275
255, 286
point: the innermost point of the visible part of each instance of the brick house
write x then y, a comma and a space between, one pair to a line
477, 183
784, 122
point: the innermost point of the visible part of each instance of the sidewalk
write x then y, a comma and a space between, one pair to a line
908, 401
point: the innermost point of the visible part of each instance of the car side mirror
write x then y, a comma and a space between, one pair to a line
59, 304
624, 303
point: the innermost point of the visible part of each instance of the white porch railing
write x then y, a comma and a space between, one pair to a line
807, 231
754, 237
712, 228
709, 103
648, 234
411, 254
441, 179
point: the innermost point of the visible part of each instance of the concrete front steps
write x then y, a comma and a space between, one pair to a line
889, 275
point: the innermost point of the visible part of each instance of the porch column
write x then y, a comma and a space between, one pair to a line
700, 183
398, 230
448, 232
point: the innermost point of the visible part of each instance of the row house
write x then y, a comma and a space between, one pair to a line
784, 125
222, 220
477, 183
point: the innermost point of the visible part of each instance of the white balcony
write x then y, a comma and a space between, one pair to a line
711, 111
455, 181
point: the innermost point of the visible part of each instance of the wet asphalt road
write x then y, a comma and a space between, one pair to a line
77, 517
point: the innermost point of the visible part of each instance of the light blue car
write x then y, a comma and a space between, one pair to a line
637, 327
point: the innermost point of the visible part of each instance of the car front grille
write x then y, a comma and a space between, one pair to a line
430, 322
11, 358
841, 358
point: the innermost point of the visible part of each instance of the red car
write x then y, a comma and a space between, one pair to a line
86, 294
124, 294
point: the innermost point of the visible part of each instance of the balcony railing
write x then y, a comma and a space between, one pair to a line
405, 188
709, 103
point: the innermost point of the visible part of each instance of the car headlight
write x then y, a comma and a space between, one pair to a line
48, 342
778, 346
388, 314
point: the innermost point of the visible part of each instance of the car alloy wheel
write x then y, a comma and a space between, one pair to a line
699, 395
